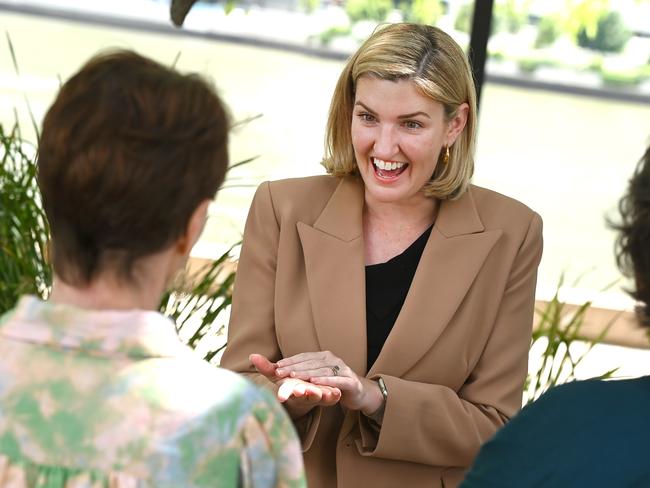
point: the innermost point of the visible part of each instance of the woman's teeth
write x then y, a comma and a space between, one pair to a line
387, 165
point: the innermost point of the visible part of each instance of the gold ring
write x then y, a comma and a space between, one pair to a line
335, 370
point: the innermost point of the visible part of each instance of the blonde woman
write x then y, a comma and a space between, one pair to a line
389, 304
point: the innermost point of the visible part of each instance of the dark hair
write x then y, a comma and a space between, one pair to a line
633, 242
128, 151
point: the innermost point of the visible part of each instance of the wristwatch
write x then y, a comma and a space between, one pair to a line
376, 418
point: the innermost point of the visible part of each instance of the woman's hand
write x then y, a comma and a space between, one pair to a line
325, 369
298, 396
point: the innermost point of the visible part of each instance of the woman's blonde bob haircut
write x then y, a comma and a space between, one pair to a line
437, 65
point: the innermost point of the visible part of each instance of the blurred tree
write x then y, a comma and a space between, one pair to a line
376, 10
463, 21
611, 34
510, 15
309, 6
583, 15
422, 11
548, 30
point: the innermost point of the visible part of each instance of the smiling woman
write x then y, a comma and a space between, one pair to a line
397, 143
389, 304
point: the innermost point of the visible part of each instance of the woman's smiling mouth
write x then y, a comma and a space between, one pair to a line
388, 170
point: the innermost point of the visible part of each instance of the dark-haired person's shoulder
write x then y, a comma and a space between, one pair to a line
207, 420
616, 397
584, 433
192, 387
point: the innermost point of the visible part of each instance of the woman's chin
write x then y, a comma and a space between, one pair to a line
385, 194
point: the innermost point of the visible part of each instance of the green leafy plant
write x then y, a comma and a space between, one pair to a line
198, 302
559, 327
23, 227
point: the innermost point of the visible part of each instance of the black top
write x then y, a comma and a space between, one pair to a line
386, 287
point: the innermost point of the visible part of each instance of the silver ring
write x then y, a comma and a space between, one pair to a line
335, 370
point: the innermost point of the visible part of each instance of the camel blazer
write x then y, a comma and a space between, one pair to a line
455, 361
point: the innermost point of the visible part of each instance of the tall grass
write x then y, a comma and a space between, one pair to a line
559, 328
23, 227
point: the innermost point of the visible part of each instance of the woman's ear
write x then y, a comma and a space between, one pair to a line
194, 228
456, 125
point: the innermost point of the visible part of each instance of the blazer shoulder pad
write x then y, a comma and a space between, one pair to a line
498, 211
302, 198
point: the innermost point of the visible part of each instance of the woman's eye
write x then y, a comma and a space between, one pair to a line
412, 124
366, 117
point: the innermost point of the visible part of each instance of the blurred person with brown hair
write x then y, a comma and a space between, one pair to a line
389, 304
586, 433
96, 388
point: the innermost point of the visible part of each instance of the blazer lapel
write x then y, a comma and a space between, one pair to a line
452, 257
334, 262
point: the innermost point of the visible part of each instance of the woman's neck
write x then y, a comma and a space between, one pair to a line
389, 228
417, 214
108, 291
106, 294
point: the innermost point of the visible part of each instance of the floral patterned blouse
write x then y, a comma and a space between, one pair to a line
113, 399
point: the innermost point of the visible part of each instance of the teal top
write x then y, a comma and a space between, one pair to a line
114, 399
583, 434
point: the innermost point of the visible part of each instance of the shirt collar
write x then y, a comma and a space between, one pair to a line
132, 333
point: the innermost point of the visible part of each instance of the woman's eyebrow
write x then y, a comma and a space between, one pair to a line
405, 116
365, 107
414, 114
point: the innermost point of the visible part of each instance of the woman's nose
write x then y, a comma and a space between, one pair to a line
386, 144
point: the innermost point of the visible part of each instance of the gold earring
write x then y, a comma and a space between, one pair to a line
445, 158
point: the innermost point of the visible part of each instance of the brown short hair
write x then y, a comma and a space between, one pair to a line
128, 150
633, 241
438, 66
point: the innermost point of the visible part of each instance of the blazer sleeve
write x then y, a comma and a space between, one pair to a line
435, 425
252, 320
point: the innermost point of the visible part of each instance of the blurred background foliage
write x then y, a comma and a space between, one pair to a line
594, 26
200, 299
